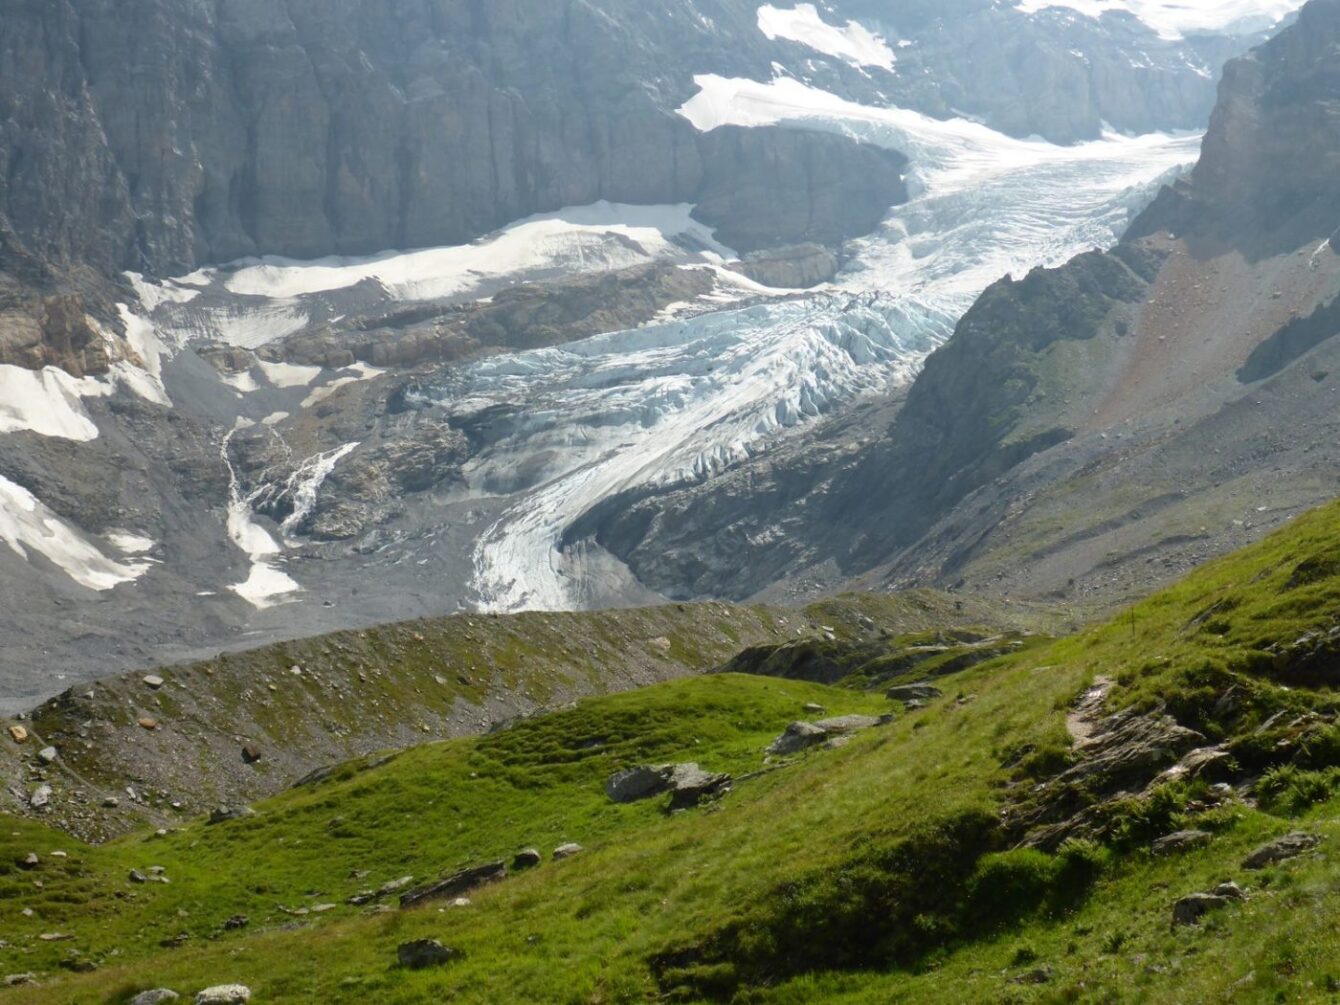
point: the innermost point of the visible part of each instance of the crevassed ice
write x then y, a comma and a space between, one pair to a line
851, 42
677, 403
1176, 19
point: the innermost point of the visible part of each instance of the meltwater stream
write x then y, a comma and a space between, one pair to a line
679, 402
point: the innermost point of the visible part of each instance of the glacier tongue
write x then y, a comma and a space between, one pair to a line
672, 404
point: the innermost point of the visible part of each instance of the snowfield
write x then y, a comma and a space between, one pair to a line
851, 42
1176, 19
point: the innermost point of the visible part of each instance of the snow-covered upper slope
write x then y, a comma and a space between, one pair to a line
578, 239
1176, 19
804, 24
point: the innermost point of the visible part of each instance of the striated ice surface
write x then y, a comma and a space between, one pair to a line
678, 403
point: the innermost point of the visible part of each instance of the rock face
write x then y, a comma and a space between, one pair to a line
1254, 183
240, 128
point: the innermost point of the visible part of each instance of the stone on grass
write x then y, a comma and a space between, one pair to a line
423, 953
224, 994
1230, 890
913, 692
636, 783
153, 681
222, 814
47, 755
527, 858
1190, 909
1281, 849
158, 996
567, 850
849, 723
1180, 841
19, 734
797, 737
456, 884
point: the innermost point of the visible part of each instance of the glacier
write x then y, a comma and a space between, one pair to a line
706, 385
673, 404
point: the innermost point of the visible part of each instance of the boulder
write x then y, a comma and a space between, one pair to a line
1190, 909
690, 785
47, 755
19, 980
797, 737
222, 814
1180, 841
913, 692
19, 734
423, 953
153, 681
637, 783
526, 858
567, 850
236, 923
158, 996
454, 885
41, 797
849, 723
1281, 849
224, 994
250, 754
1231, 891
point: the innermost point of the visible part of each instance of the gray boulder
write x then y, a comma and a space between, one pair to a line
222, 814
1231, 891
158, 996
913, 692
224, 994
423, 953
797, 737
688, 783
849, 723
1281, 849
567, 850
1190, 909
527, 858
638, 783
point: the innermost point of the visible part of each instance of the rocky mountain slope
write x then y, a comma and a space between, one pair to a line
199, 455
1089, 427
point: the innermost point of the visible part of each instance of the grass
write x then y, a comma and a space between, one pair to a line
872, 872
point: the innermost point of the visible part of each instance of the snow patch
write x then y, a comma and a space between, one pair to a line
26, 525
289, 374
47, 402
851, 42
130, 544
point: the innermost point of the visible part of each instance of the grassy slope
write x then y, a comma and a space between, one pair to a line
837, 846
396, 686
